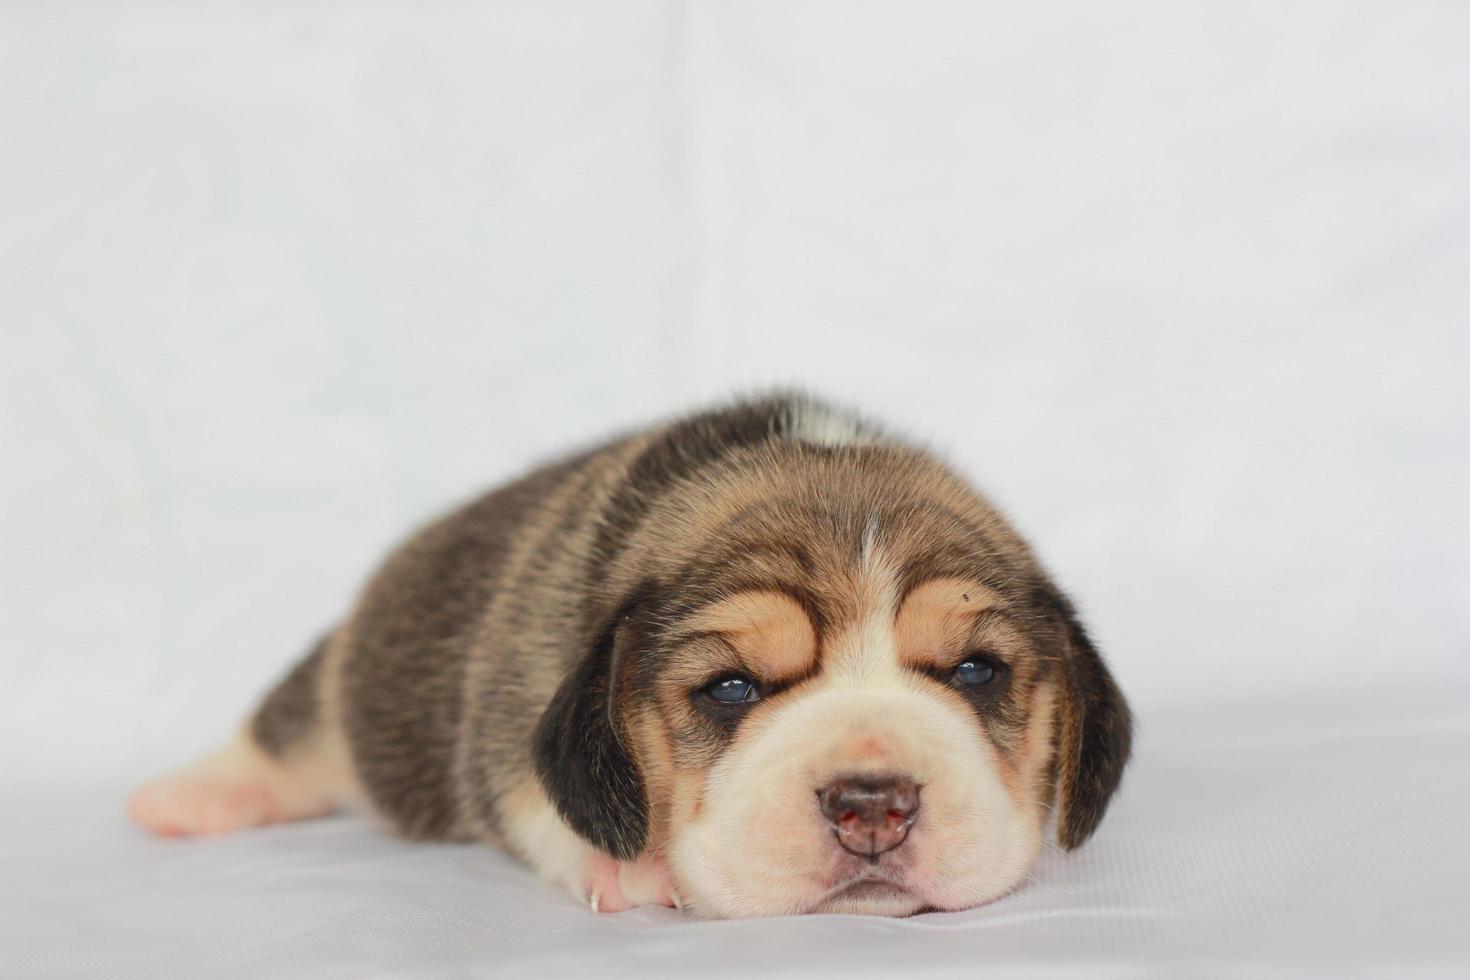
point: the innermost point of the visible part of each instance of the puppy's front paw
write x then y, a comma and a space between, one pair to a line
610, 885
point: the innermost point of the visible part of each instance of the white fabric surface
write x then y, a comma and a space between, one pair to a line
1183, 285
1319, 836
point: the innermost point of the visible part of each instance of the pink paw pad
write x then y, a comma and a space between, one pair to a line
616, 886
601, 886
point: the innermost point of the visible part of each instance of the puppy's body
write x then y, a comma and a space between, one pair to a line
550, 669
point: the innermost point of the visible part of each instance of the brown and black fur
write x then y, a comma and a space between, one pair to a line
528, 632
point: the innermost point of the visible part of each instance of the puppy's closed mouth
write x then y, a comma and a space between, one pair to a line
870, 895
870, 888
873, 885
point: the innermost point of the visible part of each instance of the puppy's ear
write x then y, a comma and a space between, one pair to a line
1095, 732
580, 748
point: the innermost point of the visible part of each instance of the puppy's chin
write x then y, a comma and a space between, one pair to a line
896, 889
872, 898
871, 894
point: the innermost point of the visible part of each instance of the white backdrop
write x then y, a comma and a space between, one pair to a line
1186, 287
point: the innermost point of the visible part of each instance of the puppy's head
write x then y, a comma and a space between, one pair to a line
832, 679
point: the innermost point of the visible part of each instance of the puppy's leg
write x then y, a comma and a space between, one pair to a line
290, 763
539, 835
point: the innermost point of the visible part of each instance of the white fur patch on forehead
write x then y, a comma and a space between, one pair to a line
823, 425
868, 648
870, 532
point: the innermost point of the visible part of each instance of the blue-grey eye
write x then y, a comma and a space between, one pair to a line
975, 672
734, 689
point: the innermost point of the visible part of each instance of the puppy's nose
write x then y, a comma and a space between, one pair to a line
870, 815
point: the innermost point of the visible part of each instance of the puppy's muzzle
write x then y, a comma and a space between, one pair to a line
870, 816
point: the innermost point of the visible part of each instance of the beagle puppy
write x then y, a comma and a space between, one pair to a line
762, 660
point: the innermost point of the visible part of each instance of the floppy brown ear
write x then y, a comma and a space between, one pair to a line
1095, 733
580, 749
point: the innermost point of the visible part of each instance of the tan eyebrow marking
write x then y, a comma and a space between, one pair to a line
767, 628
937, 616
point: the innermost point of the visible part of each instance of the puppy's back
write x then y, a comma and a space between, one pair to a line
423, 701
395, 677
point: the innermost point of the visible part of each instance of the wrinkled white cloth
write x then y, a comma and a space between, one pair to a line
1311, 836
1183, 285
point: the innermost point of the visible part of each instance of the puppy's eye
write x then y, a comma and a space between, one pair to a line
733, 689
975, 671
